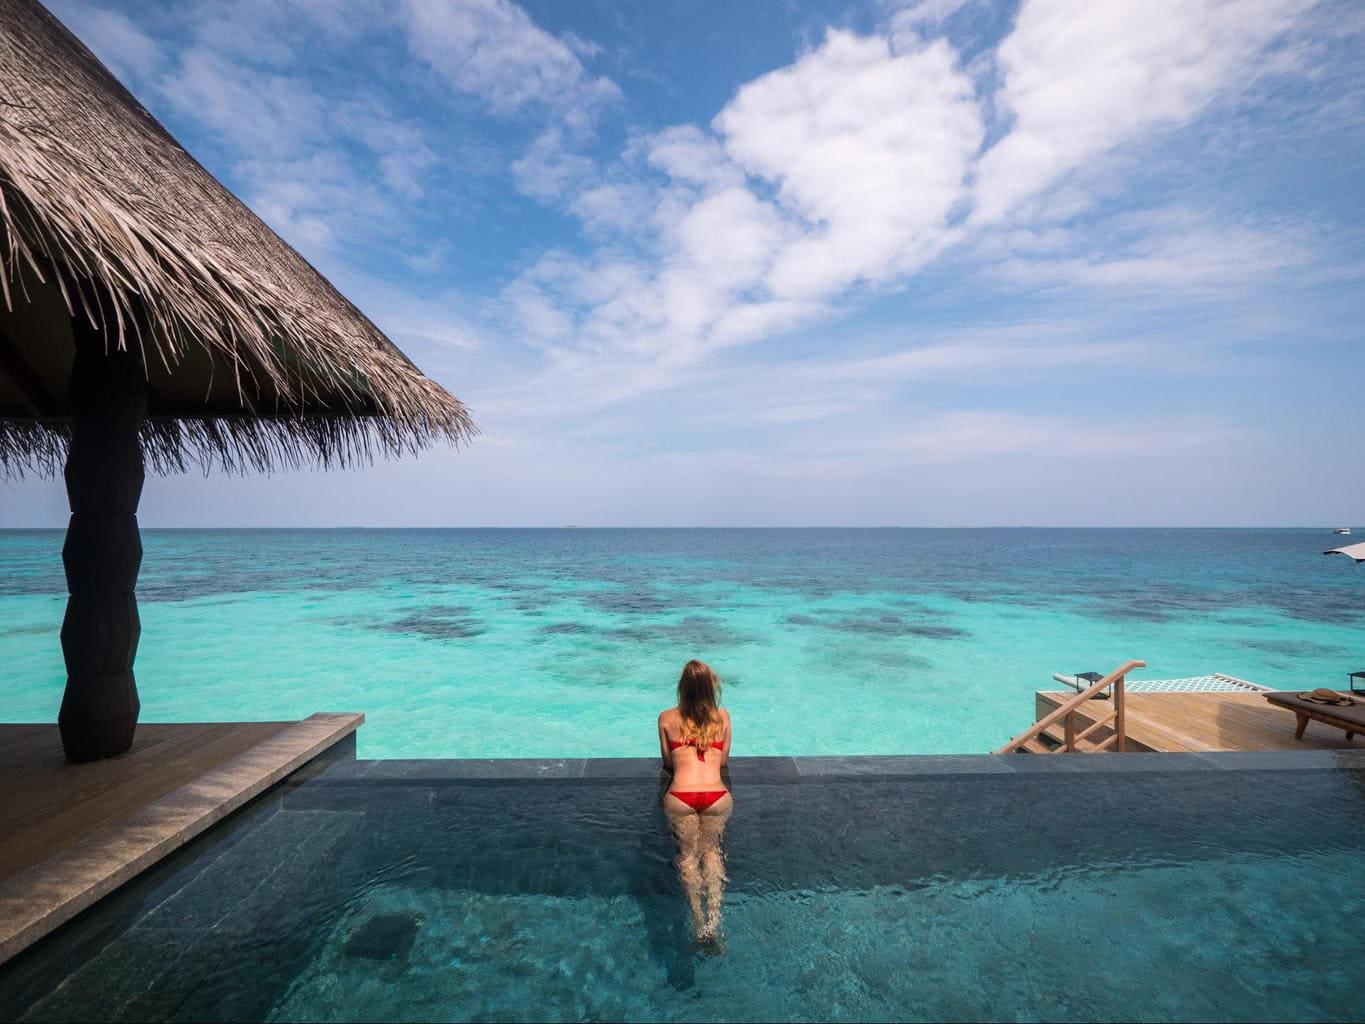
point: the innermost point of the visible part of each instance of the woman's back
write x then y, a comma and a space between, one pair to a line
696, 759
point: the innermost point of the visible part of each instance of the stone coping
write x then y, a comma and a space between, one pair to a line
50, 893
776, 769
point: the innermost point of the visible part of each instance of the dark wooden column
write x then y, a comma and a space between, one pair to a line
103, 550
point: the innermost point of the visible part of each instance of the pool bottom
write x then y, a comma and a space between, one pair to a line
966, 951
396, 892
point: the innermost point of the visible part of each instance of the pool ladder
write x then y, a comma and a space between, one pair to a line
1042, 739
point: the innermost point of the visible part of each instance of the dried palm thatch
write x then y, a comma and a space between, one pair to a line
253, 359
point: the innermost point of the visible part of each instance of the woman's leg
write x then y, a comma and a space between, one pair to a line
687, 830
712, 823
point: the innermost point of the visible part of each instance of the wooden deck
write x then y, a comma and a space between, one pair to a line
70, 834
1206, 721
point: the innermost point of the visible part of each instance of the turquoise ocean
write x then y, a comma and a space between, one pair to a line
567, 642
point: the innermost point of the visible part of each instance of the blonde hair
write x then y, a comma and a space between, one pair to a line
699, 704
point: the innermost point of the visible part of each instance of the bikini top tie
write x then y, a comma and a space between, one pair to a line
701, 751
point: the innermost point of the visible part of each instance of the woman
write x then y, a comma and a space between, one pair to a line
694, 742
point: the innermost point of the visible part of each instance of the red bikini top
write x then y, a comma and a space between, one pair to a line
701, 751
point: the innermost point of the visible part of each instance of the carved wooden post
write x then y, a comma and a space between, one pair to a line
103, 551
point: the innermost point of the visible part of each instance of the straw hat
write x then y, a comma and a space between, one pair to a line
1322, 695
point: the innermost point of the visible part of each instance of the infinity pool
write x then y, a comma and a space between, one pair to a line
1123, 887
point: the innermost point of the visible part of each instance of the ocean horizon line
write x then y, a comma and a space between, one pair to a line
779, 526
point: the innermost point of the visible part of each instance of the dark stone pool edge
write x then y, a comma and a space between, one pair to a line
746, 769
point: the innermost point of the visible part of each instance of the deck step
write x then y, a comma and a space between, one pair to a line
1054, 735
1036, 746
1085, 746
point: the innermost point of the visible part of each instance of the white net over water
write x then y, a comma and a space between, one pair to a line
1214, 681
1195, 684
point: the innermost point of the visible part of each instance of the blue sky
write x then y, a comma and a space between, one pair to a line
936, 263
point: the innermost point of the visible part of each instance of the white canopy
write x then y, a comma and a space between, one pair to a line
1356, 551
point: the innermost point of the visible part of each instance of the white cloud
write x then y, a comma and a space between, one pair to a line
325, 162
1009, 352
926, 13
615, 209
253, 111
540, 319
1082, 78
753, 321
1167, 251
787, 413
492, 48
431, 259
843, 168
897, 368
125, 48
549, 169
869, 149
971, 434
722, 246
257, 32
301, 198
399, 146
691, 156
406, 319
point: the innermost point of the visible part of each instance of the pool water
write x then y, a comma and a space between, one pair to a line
1123, 887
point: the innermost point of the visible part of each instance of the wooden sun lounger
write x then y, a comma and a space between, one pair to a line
1351, 718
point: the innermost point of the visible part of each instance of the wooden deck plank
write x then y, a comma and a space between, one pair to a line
74, 833
47, 770
59, 808
171, 752
1217, 720
174, 748
42, 753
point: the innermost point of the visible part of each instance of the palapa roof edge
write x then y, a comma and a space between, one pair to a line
98, 199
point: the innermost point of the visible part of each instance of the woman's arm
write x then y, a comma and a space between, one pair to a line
664, 752
729, 737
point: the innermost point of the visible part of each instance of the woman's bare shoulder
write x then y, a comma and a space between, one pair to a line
724, 714
668, 716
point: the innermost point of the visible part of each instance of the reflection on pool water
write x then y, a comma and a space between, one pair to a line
961, 889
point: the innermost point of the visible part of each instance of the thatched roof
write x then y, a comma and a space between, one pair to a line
253, 359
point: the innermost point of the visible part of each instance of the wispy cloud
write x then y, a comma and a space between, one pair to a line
493, 49
1080, 80
129, 51
1173, 251
954, 436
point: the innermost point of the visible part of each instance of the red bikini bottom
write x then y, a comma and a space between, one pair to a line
699, 801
